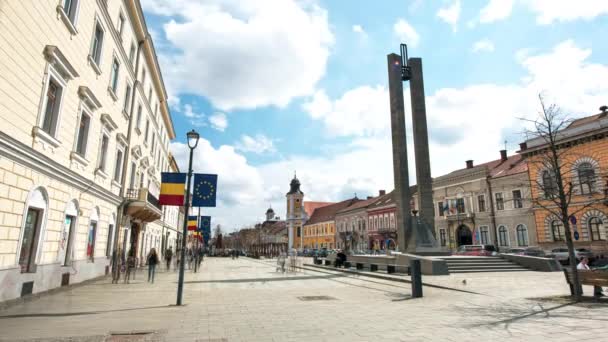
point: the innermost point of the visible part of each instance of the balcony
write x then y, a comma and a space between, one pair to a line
143, 205
459, 217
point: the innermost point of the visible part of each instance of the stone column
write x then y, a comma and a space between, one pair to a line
400, 167
421, 144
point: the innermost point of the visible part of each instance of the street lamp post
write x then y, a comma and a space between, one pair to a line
193, 137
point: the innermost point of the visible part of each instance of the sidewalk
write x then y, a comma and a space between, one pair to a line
246, 300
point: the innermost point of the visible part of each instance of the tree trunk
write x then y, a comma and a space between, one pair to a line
572, 259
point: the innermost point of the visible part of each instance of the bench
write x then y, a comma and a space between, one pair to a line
373, 267
587, 277
359, 265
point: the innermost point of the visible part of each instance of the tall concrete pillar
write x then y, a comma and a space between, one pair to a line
421, 144
400, 167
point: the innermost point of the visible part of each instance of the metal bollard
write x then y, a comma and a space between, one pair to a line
416, 278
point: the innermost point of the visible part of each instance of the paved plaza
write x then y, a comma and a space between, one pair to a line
247, 300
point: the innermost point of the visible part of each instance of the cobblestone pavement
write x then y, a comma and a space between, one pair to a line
246, 300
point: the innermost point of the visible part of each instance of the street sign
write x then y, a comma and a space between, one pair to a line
572, 219
576, 236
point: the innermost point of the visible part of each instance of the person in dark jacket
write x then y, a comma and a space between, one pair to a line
152, 261
168, 257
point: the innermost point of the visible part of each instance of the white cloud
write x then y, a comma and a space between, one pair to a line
464, 123
362, 111
548, 11
358, 29
195, 119
496, 10
406, 33
258, 144
218, 121
244, 53
483, 45
450, 14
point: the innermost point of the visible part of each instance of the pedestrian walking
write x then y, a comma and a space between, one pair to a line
168, 257
152, 261
130, 266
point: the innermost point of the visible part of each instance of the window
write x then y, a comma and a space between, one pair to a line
31, 233
114, 75
127, 103
442, 237
118, 166
70, 8
481, 203
132, 54
586, 177
150, 94
484, 235
299, 232
51, 107
503, 236
103, 154
67, 238
595, 228
549, 186
91, 241
440, 208
133, 175
156, 110
500, 202
152, 145
141, 180
517, 200
83, 134
138, 126
557, 230
143, 77
460, 205
147, 130
522, 235
121, 24
97, 44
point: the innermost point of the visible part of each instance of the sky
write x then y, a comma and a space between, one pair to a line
276, 87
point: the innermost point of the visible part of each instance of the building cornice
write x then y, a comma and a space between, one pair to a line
26, 156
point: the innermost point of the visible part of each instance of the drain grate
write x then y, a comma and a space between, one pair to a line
132, 336
312, 298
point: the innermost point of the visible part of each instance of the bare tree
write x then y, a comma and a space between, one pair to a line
560, 181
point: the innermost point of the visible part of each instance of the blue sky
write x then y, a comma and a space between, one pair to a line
282, 85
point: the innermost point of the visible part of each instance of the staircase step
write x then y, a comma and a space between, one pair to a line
459, 267
469, 262
491, 270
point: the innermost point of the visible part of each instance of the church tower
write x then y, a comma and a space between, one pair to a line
270, 214
295, 214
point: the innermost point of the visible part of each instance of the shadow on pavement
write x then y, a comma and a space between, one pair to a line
81, 313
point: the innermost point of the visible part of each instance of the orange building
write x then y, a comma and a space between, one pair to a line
583, 147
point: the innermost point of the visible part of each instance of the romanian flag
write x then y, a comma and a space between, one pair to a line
172, 189
192, 222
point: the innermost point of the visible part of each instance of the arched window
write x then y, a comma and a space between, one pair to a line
503, 236
595, 227
522, 235
586, 177
32, 227
557, 230
92, 234
66, 243
549, 186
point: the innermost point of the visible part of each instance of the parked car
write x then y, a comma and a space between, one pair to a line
529, 251
561, 254
476, 250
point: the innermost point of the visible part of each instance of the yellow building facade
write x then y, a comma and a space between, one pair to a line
320, 235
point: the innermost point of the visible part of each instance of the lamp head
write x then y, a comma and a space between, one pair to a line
193, 137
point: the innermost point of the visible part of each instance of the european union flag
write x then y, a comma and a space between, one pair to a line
205, 224
205, 188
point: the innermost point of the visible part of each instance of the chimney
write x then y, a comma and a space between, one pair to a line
469, 164
523, 146
370, 197
382, 192
503, 155
604, 110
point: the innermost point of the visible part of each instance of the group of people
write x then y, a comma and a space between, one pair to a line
128, 263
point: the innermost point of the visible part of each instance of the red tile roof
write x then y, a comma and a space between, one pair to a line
498, 168
360, 204
328, 212
309, 206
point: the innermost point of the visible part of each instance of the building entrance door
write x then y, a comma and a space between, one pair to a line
464, 236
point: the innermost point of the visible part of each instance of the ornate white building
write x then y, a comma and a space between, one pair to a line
84, 136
